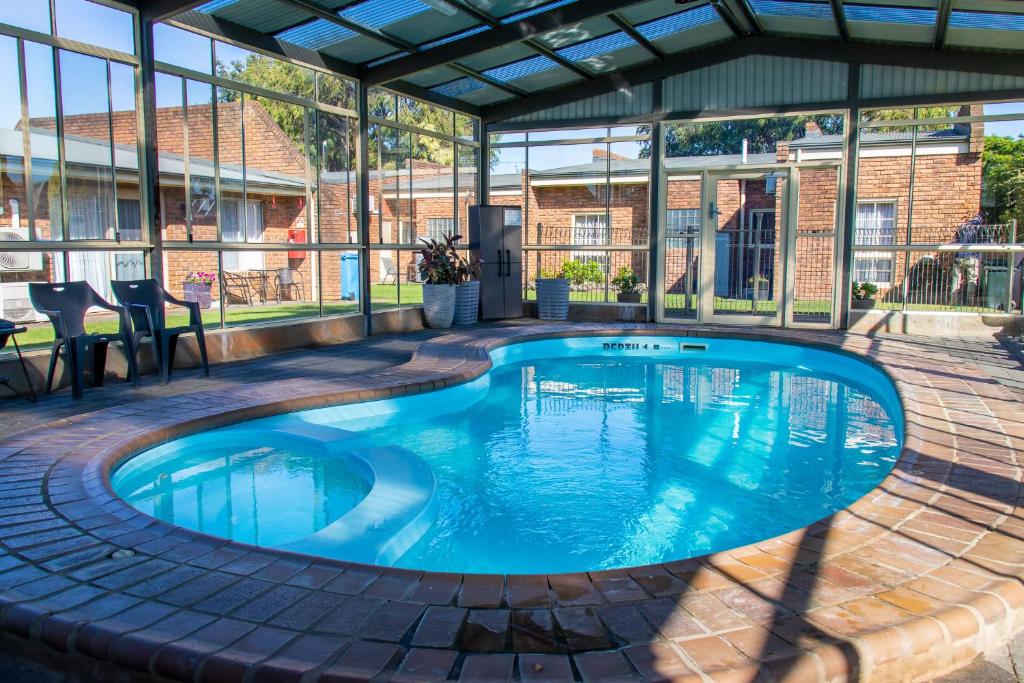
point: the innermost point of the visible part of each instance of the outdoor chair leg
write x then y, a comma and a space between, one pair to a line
129, 353
54, 353
99, 363
159, 346
172, 347
24, 370
75, 369
201, 342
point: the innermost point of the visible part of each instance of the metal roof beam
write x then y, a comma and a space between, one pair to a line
496, 36
840, 16
942, 14
159, 10
321, 13
631, 31
466, 71
684, 62
726, 15
751, 17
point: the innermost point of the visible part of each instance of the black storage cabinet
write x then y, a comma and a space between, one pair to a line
496, 238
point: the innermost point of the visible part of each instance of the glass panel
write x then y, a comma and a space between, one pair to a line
34, 16
339, 92
17, 269
629, 167
465, 127
90, 188
276, 167
467, 169
126, 149
682, 245
169, 140
340, 281
202, 196
265, 72
182, 48
506, 179
42, 111
384, 278
13, 203
229, 165
382, 104
336, 192
269, 286
89, 22
749, 222
566, 184
395, 183
178, 265
815, 245
433, 188
422, 115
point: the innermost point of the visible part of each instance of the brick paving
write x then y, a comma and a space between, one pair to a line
913, 580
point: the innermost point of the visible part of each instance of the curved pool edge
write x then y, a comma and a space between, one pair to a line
927, 625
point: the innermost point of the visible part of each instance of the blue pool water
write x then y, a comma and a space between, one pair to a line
569, 455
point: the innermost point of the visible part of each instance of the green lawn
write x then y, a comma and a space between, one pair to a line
41, 334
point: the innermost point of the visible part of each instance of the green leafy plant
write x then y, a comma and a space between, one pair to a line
439, 264
626, 281
864, 291
466, 270
580, 273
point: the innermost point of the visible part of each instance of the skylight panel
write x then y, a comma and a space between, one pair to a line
806, 10
597, 46
916, 16
462, 86
316, 34
987, 20
535, 10
215, 5
680, 21
520, 69
377, 13
455, 36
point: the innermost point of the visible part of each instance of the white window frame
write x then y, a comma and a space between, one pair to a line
448, 227
868, 262
596, 235
684, 227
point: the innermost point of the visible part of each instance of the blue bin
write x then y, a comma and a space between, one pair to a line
350, 275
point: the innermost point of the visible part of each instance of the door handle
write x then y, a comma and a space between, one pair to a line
508, 262
499, 263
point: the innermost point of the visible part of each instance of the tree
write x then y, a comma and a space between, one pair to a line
1003, 179
714, 138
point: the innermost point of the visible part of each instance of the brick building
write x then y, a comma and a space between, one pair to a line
264, 200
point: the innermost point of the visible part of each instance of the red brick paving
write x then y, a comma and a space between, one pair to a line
912, 580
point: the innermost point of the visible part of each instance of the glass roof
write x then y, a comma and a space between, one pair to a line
596, 40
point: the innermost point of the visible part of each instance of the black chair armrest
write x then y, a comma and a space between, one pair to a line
58, 322
194, 316
150, 327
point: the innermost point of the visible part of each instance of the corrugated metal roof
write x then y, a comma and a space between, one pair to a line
601, 46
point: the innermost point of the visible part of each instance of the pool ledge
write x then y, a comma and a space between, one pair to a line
912, 580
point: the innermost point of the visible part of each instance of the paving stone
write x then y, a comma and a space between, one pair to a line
363, 661
544, 669
439, 627
495, 668
425, 666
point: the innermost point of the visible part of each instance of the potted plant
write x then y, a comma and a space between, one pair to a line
198, 286
628, 284
467, 290
439, 273
758, 283
864, 294
553, 294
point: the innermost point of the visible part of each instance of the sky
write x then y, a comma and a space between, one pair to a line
84, 78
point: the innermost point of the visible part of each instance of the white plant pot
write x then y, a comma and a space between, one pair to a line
553, 298
467, 303
439, 305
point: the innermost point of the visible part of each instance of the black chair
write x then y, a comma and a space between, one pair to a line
65, 304
146, 302
9, 330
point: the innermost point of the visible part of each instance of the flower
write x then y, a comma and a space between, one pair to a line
200, 278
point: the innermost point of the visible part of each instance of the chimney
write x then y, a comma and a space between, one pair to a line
782, 151
811, 130
600, 154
